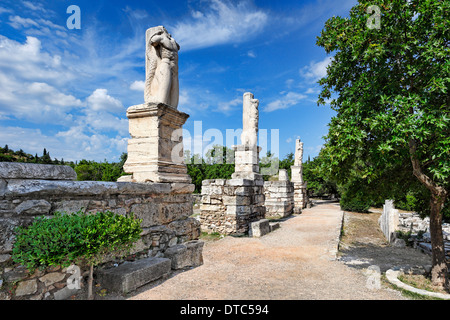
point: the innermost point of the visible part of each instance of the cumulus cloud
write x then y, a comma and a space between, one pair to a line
28, 62
137, 85
228, 106
288, 100
99, 100
222, 22
316, 70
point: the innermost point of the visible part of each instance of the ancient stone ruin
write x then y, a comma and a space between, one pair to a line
300, 194
389, 220
279, 196
228, 206
155, 150
392, 222
158, 191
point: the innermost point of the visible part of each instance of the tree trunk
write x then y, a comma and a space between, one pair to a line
439, 271
90, 281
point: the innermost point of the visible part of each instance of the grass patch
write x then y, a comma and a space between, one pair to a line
406, 293
420, 282
205, 236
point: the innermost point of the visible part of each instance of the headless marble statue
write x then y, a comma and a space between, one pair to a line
161, 67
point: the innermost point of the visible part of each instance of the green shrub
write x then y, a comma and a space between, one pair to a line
66, 238
354, 202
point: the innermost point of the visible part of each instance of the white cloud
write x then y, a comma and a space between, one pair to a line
34, 7
28, 62
222, 23
312, 91
99, 100
184, 98
137, 85
73, 144
18, 22
288, 100
316, 70
51, 96
58, 80
5, 10
251, 54
227, 107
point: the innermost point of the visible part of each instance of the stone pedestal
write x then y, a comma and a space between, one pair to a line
279, 198
300, 196
229, 206
155, 150
246, 160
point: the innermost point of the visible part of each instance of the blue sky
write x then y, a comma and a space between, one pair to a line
67, 90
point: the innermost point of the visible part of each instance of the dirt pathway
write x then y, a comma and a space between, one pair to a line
297, 261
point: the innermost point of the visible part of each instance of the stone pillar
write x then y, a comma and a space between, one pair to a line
389, 220
246, 155
300, 195
155, 150
229, 206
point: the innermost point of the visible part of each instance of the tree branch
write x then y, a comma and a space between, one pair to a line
417, 171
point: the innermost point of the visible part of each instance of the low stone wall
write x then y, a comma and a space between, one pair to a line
165, 210
279, 198
228, 206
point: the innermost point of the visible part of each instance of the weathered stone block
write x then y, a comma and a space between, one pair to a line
238, 210
65, 293
148, 212
34, 207
239, 182
259, 228
132, 275
26, 288
70, 206
184, 255
16, 170
51, 278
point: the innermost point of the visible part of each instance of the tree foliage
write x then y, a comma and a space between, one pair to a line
390, 89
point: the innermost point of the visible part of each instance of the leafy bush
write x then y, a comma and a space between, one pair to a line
355, 196
65, 239
355, 203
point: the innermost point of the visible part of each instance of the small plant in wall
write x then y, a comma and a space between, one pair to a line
75, 238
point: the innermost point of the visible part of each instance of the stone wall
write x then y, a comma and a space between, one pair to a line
279, 198
228, 206
165, 209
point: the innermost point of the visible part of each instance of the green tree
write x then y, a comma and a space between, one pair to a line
287, 163
390, 89
319, 183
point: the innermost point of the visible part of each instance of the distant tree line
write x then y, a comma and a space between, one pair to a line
86, 170
218, 163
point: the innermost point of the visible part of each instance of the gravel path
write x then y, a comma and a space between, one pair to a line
295, 262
